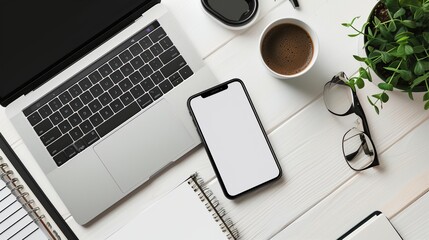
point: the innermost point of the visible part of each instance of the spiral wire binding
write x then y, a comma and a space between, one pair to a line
212, 204
23, 197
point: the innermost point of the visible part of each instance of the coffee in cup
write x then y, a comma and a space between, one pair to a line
288, 48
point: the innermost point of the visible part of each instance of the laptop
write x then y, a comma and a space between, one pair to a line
97, 90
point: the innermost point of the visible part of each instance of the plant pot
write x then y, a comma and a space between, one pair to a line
376, 75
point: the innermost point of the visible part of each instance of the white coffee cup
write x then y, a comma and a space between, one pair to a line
279, 67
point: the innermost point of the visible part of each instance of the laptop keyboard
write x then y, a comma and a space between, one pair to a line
100, 98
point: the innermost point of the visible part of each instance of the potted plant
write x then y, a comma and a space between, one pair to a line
396, 43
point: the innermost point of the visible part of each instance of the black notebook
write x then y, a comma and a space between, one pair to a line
25, 211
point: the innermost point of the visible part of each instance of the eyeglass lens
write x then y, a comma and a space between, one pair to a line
358, 149
338, 97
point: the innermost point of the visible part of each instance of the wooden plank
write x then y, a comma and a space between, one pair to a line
413, 222
401, 179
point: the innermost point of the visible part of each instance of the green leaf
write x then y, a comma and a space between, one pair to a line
426, 96
419, 80
405, 74
385, 86
418, 14
392, 5
426, 36
399, 13
415, 3
363, 73
360, 83
408, 50
410, 95
419, 49
384, 97
353, 35
403, 40
360, 59
369, 100
376, 109
419, 68
392, 26
401, 51
386, 57
409, 23
426, 105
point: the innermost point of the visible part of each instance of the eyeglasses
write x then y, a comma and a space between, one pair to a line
358, 148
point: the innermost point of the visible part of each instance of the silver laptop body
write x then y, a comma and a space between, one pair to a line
129, 155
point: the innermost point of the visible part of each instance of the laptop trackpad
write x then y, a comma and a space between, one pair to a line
142, 147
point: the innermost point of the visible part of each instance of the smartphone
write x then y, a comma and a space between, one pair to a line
234, 138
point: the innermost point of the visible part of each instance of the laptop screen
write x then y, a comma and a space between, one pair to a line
37, 37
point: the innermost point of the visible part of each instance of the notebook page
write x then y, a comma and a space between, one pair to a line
15, 223
178, 215
376, 228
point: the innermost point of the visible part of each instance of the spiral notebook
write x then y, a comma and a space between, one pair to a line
25, 211
189, 212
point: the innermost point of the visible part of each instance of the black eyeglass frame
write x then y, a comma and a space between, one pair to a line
357, 109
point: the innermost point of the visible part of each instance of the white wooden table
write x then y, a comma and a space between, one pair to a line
319, 196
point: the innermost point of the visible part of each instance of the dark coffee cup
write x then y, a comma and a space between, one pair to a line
288, 48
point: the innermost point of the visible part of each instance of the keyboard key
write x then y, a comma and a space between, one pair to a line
157, 77
106, 112
80, 145
50, 136
125, 84
115, 92
156, 49
165, 86
166, 42
75, 90
86, 97
94, 77
118, 119
43, 127
125, 56
147, 55
76, 133
155, 64
70, 152
76, 104
173, 66
86, 126
117, 76
176, 81
157, 34
96, 90
59, 144
173, 77
136, 49
64, 126
116, 105
115, 63
96, 119
65, 97
56, 118
137, 91
105, 70
55, 104
147, 84
74, 120
137, 62
34, 118
136, 77
144, 100
60, 159
145, 42
95, 105
84, 113
105, 99
127, 69
146, 71
106, 83
45, 111
66, 111
85, 84
90, 138
186, 72
169, 55
155, 93
127, 98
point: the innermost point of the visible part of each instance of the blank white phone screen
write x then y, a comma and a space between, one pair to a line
235, 139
